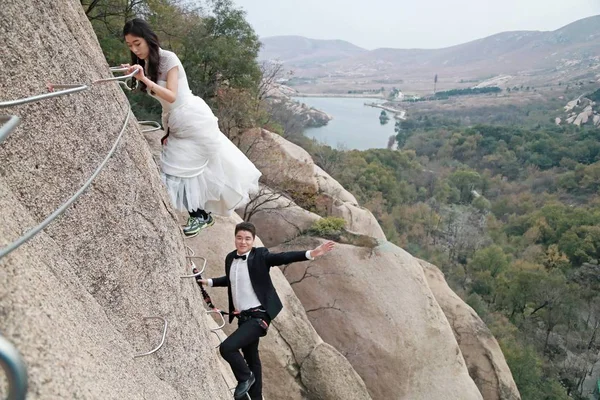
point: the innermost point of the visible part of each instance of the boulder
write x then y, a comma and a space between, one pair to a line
292, 353
283, 164
485, 361
290, 168
374, 306
323, 363
572, 104
584, 116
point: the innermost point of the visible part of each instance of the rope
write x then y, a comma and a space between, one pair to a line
71, 89
11, 122
34, 231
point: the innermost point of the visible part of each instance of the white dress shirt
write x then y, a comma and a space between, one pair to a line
244, 297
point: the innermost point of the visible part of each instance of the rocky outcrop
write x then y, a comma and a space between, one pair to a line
375, 307
279, 91
73, 299
581, 111
572, 104
295, 358
584, 116
280, 97
478, 346
292, 349
312, 116
289, 167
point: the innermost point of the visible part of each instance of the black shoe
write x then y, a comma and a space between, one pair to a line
242, 388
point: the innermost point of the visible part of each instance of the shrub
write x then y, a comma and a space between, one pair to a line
328, 227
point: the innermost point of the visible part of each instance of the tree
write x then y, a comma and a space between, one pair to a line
221, 51
465, 181
391, 142
516, 291
485, 266
383, 118
401, 134
435, 80
328, 158
266, 200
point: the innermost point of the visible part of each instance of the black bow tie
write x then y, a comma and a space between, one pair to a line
242, 257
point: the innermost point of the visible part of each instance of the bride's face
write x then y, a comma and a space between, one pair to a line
138, 46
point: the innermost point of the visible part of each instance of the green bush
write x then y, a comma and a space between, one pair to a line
482, 204
328, 227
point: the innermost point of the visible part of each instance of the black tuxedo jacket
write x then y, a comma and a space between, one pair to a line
260, 261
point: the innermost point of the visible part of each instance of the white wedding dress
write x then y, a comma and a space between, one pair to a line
201, 167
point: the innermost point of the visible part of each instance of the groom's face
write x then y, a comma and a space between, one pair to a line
244, 241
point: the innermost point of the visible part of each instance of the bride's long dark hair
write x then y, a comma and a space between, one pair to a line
140, 28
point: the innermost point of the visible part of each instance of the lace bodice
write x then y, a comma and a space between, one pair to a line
168, 61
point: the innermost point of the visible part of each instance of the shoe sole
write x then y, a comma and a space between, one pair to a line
191, 235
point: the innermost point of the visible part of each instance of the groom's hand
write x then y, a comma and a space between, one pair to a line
322, 249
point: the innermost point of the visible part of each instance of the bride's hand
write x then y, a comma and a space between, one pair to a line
140, 75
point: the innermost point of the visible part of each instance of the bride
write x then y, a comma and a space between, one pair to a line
204, 172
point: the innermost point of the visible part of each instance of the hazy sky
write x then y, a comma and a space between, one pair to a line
410, 23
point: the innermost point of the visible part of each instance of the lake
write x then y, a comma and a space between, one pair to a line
354, 125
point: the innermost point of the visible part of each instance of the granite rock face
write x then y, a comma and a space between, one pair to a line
73, 299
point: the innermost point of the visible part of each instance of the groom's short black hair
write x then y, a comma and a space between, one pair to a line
246, 226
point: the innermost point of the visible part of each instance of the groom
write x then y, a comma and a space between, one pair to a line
254, 301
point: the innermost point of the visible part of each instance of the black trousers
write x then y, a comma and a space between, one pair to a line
251, 327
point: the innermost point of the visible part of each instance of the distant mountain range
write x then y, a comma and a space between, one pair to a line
572, 52
299, 51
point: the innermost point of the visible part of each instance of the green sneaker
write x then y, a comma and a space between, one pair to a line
196, 224
209, 222
193, 226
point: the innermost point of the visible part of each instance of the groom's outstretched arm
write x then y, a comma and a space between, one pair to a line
274, 259
288, 257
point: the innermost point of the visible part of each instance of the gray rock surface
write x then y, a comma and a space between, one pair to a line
292, 352
374, 306
73, 299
